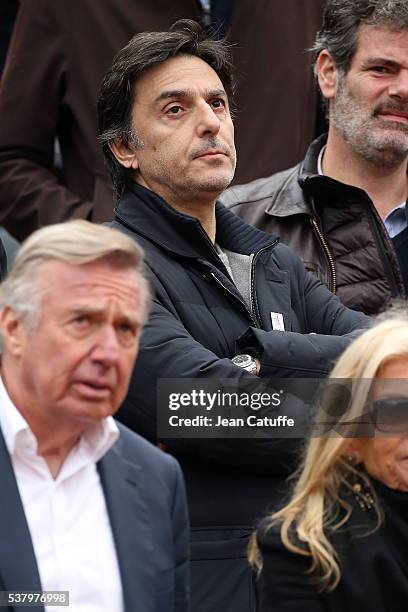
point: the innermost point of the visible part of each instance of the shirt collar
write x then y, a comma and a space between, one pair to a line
398, 207
396, 220
15, 428
320, 161
94, 442
394, 217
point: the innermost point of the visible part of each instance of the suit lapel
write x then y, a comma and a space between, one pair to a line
124, 489
18, 565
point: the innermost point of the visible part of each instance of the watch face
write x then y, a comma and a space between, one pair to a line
242, 361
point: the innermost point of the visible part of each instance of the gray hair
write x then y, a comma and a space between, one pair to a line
75, 242
341, 22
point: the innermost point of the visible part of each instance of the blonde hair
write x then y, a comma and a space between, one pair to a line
326, 472
75, 242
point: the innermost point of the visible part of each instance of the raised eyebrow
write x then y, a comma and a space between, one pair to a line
85, 310
130, 320
217, 93
188, 93
173, 93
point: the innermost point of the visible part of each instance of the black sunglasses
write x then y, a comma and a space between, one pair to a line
389, 414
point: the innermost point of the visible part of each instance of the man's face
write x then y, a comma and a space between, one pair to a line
183, 123
370, 108
74, 367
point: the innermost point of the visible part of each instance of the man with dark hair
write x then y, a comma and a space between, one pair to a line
343, 209
53, 100
230, 302
141, 53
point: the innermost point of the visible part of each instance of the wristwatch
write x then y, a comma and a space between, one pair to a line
246, 362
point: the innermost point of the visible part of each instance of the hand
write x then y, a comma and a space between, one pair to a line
258, 366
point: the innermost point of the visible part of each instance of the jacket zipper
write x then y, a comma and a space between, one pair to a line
254, 315
254, 299
382, 250
219, 281
256, 321
330, 260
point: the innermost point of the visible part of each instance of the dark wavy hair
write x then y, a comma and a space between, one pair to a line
185, 37
342, 19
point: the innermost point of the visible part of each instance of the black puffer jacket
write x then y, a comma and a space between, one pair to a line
198, 323
333, 227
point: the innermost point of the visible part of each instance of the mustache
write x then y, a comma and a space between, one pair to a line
209, 145
401, 107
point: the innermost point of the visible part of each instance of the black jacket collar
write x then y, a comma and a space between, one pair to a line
323, 188
148, 215
308, 168
300, 190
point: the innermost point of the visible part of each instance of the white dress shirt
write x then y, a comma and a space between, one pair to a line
67, 517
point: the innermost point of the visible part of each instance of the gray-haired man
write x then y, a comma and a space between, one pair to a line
87, 506
343, 209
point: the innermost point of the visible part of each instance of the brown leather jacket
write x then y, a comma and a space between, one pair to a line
334, 227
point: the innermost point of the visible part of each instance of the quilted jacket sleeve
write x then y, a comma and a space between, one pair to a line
328, 326
168, 350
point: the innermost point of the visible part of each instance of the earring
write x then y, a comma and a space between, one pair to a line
359, 485
362, 492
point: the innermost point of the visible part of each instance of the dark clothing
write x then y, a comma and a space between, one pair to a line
145, 501
400, 242
221, 11
374, 565
276, 100
198, 323
334, 228
8, 11
3, 261
57, 57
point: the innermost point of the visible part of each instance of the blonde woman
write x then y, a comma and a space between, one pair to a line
341, 543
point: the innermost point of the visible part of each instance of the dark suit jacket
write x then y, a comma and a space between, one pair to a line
145, 498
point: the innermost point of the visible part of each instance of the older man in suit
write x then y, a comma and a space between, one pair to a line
87, 506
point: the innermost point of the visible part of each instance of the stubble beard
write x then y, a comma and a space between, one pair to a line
216, 182
381, 142
189, 186
219, 177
